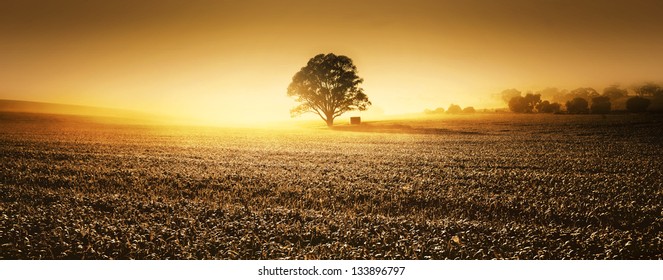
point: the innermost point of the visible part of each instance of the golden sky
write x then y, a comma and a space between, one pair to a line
231, 61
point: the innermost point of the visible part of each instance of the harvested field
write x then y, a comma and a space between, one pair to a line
474, 187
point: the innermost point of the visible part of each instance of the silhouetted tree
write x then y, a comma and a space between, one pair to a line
637, 104
617, 95
649, 89
532, 101
328, 86
614, 92
547, 107
584, 93
601, 105
518, 104
654, 93
524, 104
577, 105
454, 109
469, 110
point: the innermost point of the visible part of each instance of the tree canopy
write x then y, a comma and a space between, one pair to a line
327, 86
614, 92
601, 105
637, 104
577, 105
454, 109
524, 104
649, 89
547, 107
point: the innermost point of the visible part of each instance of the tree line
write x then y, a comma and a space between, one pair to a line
584, 100
453, 109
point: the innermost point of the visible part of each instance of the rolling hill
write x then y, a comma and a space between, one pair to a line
100, 113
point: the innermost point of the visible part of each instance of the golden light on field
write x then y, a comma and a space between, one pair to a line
230, 62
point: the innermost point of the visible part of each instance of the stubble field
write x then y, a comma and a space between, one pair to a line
468, 187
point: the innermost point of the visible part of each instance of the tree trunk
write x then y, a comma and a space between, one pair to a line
330, 120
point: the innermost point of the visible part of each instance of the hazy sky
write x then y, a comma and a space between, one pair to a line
227, 60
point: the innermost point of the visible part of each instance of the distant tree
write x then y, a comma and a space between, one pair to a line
654, 93
469, 110
614, 92
547, 107
328, 86
454, 109
508, 94
438, 110
586, 93
524, 104
649, 89
617, 95
637, 104
577, 105
553, 94
601, 105
518, 104
532, 101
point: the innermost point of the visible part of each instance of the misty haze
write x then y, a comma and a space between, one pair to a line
363, 130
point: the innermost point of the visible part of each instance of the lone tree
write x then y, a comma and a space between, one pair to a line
328, 86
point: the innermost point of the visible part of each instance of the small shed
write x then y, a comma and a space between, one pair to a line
355, 120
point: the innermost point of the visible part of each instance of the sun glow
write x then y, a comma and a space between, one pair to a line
231, 62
